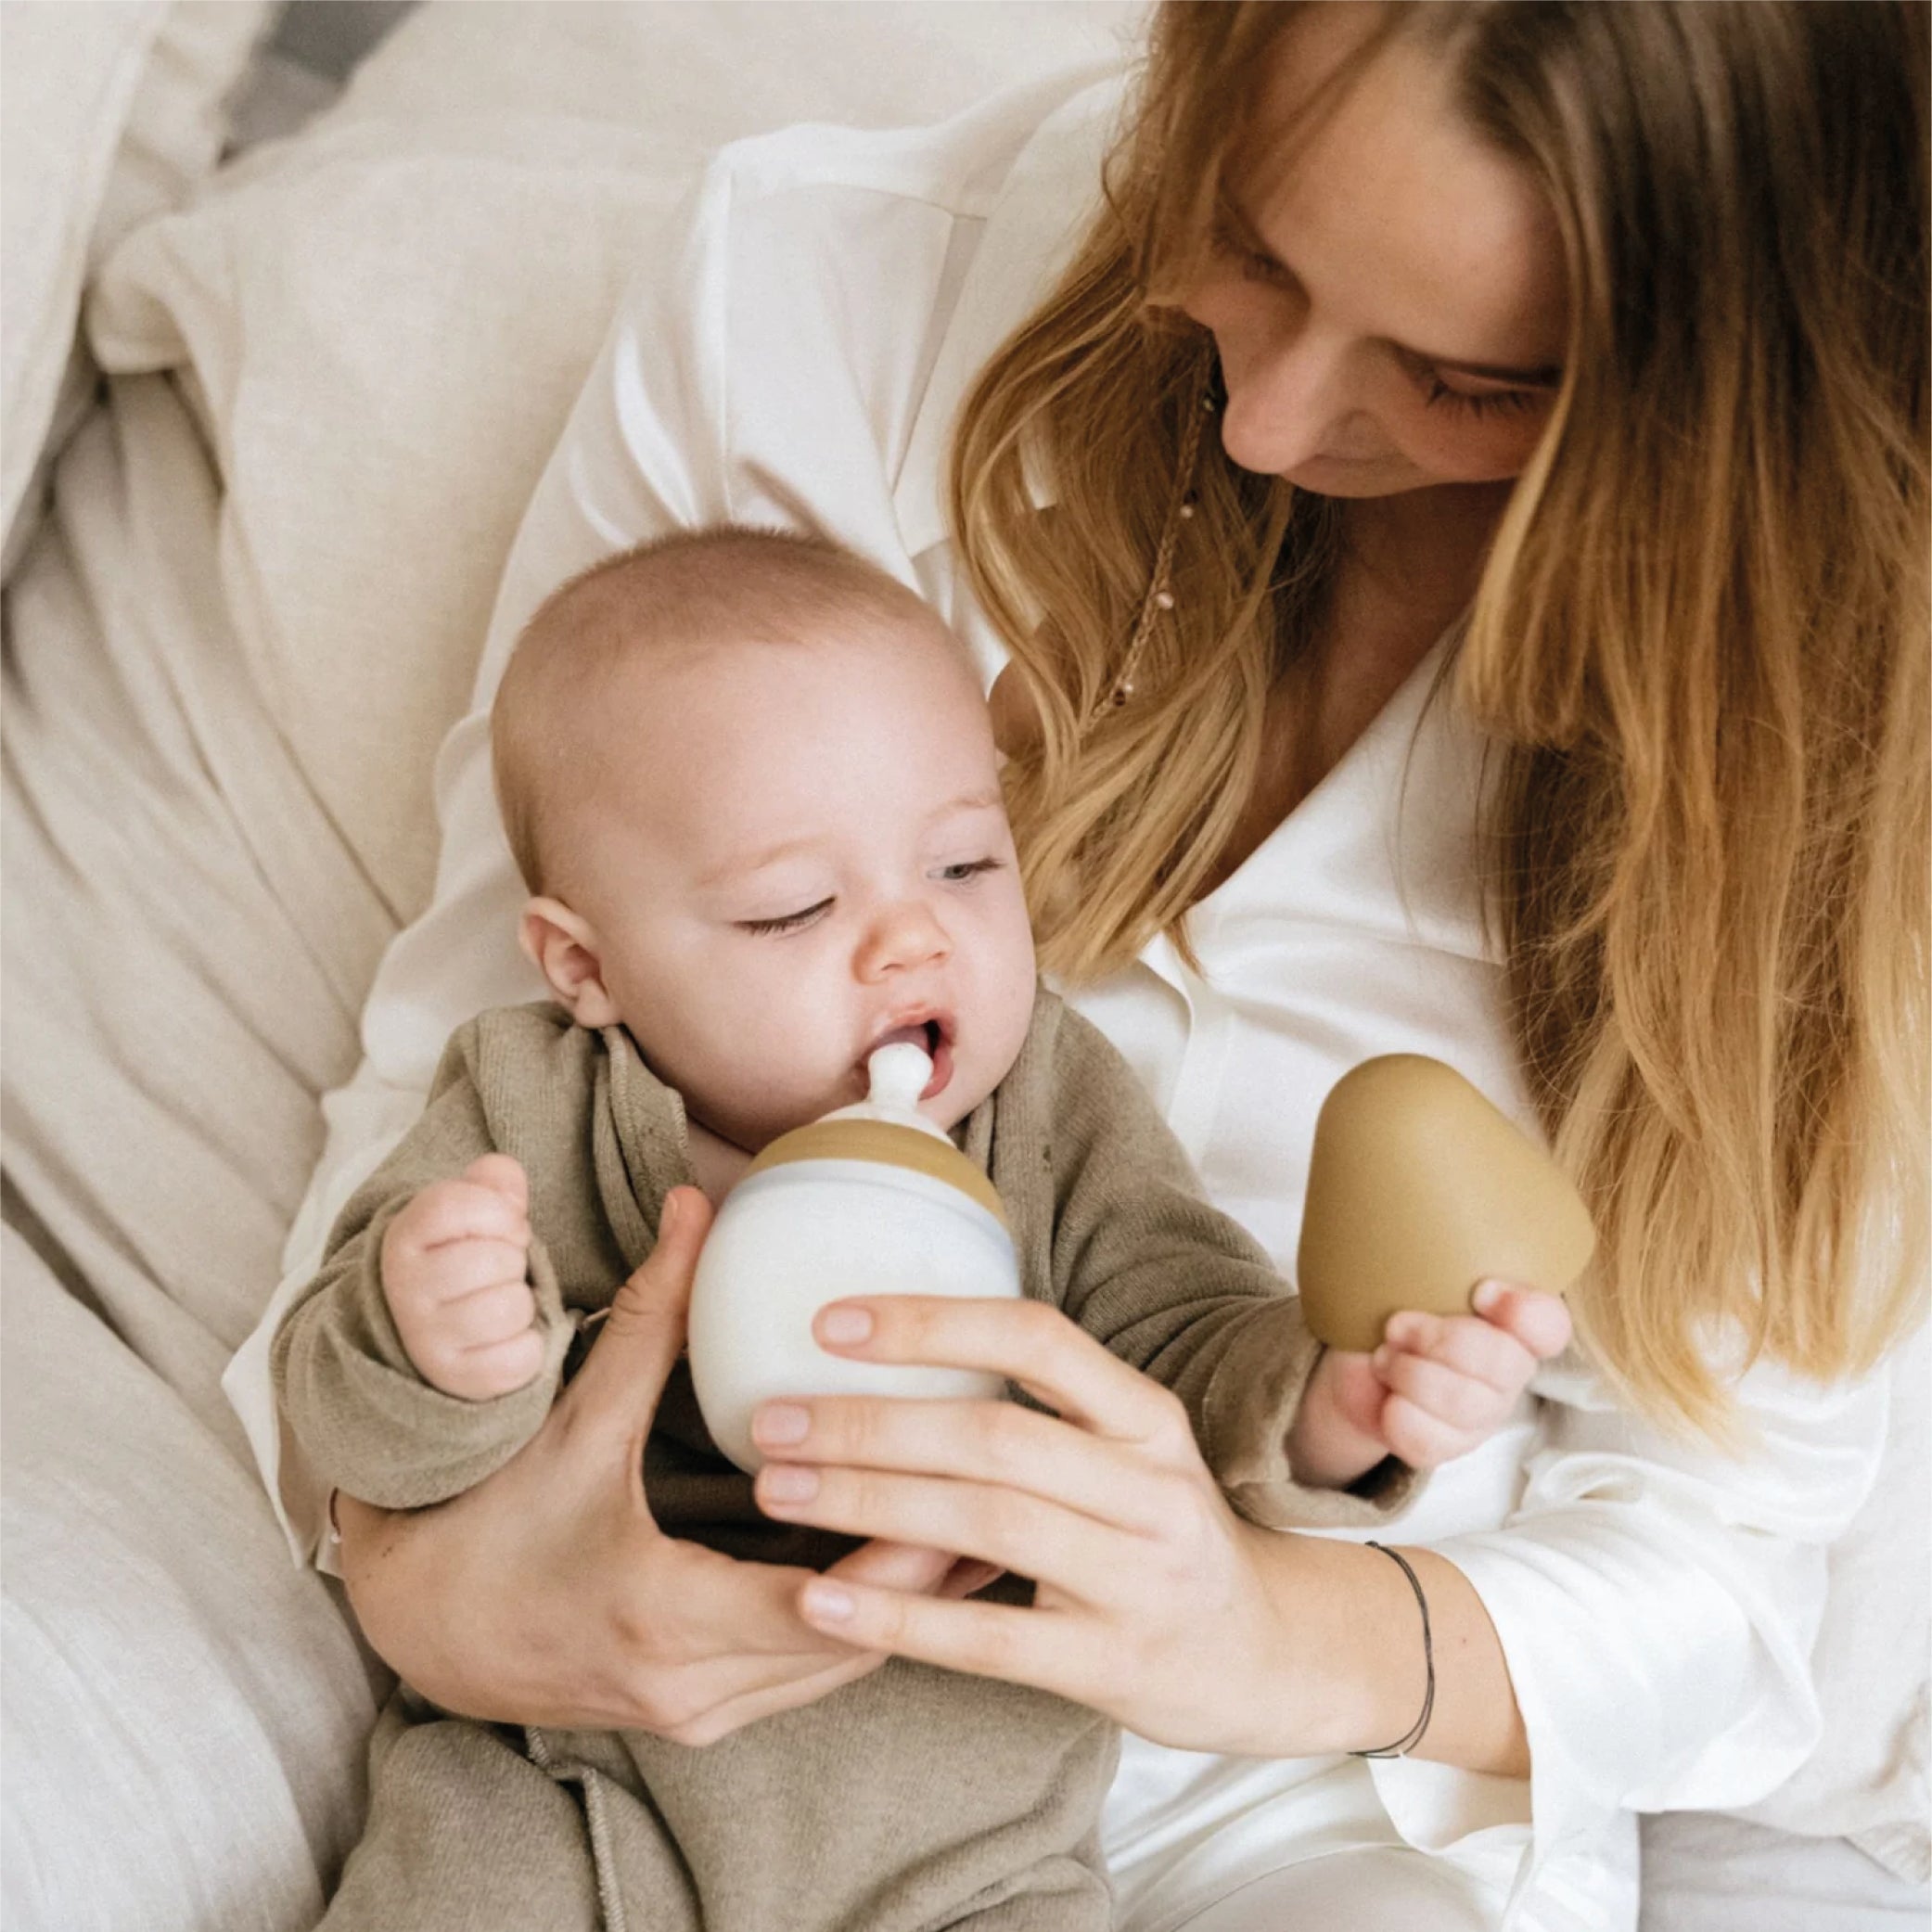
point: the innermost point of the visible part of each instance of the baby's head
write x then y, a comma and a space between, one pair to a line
752, 785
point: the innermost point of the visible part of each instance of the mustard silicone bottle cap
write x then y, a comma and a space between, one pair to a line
885, 1127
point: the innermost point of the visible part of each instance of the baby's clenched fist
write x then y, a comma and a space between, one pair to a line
1436, 1387
456, 1271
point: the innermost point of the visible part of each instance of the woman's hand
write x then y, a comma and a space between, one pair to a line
547, 1595
1155, 1603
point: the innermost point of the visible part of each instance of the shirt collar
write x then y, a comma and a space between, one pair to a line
1037, 221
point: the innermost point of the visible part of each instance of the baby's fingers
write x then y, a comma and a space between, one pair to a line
452, 1273
1422, 1440
1464, 1343
501, 1368
502, 1174
460, 1210
489, 1315
1445, 1395
1538, 1321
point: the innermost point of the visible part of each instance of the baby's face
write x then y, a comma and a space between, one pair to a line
791, 853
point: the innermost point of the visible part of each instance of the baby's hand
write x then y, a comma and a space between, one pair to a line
456, 1268
1437, 1387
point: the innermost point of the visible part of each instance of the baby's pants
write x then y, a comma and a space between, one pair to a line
911, 1800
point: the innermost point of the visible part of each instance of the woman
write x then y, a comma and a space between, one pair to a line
1469, 481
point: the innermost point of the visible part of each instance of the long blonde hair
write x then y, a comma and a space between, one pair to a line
1708, 822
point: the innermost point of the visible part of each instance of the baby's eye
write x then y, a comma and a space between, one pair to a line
786, 922
966, 869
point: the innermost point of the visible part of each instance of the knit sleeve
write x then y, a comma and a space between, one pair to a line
1178, 1290
363, 1415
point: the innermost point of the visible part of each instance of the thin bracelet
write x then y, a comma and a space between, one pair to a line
1412, 1737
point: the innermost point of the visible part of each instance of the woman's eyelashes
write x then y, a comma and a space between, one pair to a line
962, 872
1253, 264
1437, 394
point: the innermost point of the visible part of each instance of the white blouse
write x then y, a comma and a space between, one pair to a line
798, 355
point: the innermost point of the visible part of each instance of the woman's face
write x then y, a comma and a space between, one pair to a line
1389, 309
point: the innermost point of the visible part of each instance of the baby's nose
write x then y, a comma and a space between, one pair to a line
902, 937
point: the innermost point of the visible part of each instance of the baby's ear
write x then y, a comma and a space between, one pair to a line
566, 952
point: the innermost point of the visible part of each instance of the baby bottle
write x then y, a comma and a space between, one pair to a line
873, 1199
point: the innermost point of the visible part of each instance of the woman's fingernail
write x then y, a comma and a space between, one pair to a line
786, 1482
845, 1325
781, 1424
1487, 1294
667, 1214
1379, 1359
827, 1603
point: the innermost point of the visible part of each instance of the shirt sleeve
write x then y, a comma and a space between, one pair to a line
364, 1417
1658, 1598
1145, 1264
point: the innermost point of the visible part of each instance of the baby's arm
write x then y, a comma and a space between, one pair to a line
1297, 1437
374, 1417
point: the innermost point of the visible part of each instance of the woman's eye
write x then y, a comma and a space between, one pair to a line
787, 922
1254, 265
1437, 394
967, 869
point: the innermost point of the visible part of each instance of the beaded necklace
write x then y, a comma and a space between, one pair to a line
1181, 508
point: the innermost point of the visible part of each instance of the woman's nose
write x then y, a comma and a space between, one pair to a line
902, 938
1288, 401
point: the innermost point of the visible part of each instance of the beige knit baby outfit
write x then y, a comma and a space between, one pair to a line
914, 1798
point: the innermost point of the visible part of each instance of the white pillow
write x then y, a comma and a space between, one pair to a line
708, 75
185, 1712
112, 114
383, 325
386, 320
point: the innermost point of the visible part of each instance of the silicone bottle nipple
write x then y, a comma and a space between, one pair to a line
899, 1074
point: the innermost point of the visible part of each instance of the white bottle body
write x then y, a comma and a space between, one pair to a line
793, 1237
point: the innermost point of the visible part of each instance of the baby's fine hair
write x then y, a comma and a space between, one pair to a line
724, 584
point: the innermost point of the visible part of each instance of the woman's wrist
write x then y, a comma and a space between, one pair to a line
1354, 1673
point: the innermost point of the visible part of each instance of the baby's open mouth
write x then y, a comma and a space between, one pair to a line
933, 1037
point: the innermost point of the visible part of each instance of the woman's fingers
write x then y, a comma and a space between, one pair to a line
609, 1404
1025, 1341
968, 1576
1000, 1526
727, 1714
994, 1442
1033, 1647
889, 1566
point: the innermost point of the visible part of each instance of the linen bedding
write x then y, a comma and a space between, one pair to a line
256, 500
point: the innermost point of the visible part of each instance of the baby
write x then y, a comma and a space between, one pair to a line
751, 783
